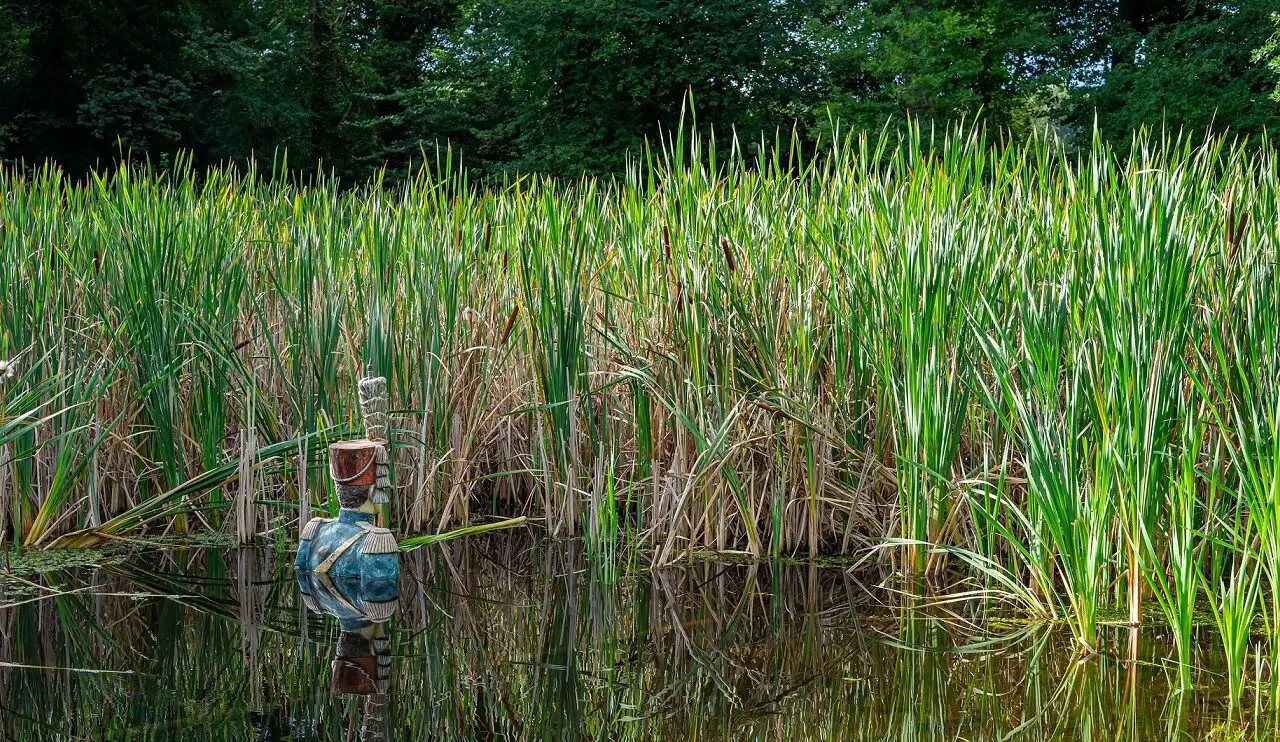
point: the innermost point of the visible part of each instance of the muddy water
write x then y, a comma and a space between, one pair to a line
510, 637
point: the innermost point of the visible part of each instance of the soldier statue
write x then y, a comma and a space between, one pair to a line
352, 545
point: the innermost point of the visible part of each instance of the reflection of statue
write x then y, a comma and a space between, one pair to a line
362, 658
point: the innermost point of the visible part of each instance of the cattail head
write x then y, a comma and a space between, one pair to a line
727, 249
511, 323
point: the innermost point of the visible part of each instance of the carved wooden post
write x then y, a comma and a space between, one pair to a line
373, 407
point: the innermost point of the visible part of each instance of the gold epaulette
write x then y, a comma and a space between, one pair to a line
309, 530
378, 541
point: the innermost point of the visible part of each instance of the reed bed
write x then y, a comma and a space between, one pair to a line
1044, 377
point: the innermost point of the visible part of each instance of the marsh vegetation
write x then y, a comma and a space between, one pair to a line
1047, 380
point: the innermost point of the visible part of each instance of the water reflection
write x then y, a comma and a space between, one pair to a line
362, 655
507, 637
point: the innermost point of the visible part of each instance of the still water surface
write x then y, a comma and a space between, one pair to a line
512, 637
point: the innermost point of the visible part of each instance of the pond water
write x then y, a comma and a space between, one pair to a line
512, 637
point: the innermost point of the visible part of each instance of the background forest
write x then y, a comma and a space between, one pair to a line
567, 86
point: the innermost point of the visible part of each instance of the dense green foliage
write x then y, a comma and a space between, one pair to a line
1053, 376
562, 87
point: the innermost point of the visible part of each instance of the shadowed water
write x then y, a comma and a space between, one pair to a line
509, 637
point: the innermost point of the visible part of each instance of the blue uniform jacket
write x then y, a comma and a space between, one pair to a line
348, 546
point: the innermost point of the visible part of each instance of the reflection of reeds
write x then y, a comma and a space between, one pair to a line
517, 639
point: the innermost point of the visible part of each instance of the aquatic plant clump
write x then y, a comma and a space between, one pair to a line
1054, 374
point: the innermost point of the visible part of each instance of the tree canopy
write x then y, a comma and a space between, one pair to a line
571, 86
